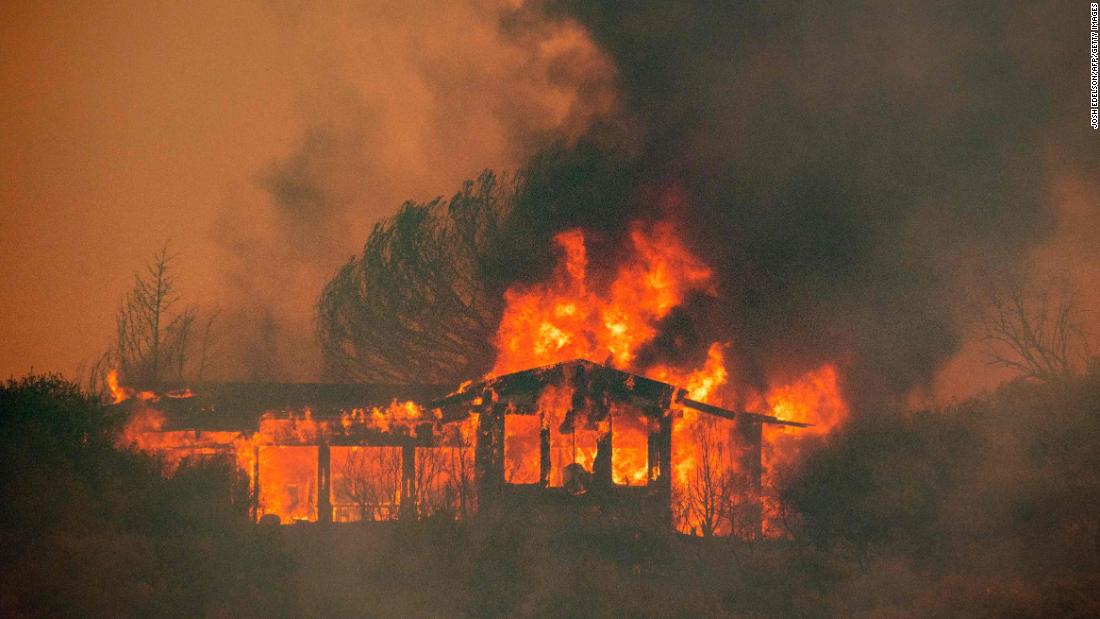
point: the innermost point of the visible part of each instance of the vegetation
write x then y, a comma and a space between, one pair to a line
422, 302
88, 530
155, 340
414, 307
987, 508
1036, 330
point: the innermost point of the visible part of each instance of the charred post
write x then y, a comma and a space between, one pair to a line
601, 467
324, 484
664, 466
254, 490
544, 457
748, 433
489, 454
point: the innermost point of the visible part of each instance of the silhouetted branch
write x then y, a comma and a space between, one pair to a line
1035, 331
412, 307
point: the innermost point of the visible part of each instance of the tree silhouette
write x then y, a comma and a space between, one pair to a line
153, 340
709, 496
370, 480
414, 307
1035, 330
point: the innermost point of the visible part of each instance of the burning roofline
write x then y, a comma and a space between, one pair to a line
652, 392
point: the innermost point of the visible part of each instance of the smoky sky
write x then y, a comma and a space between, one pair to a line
263, 138
853, 171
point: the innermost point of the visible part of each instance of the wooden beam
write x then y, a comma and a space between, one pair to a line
489, 457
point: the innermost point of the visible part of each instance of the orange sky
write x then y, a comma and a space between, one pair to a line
128, 125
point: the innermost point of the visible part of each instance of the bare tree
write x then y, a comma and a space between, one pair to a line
370, 479
708, 499
445, 474
1035, 330
153, 337
414, 307
460, 466
430, 497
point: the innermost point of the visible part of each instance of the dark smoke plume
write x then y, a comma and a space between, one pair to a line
847, 168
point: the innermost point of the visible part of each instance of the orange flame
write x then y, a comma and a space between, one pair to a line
283, 451
120, 393
815, 397
571, 317
568, 319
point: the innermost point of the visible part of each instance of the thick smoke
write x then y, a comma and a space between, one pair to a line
851, 170
397, 102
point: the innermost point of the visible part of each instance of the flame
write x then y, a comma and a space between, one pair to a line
700, 384
572, 316
568, 318
398, 416
287, 485
120, 393
142, 429
280, 458
629, 446
815, 398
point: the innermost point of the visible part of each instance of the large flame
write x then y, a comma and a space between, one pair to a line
568, 318
571, 317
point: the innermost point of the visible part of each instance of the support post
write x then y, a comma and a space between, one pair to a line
749, 434
489, 456
664, 466
544, 457
324, 484
254, 488
601, 411
601, 467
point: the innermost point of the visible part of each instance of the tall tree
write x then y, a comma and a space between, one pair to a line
153, 334
709, 494
415, 307
370, 481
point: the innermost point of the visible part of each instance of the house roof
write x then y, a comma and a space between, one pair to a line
239, 406
623, 386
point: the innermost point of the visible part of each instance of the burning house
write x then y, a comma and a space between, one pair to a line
568, 440
623, 440
604, 442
